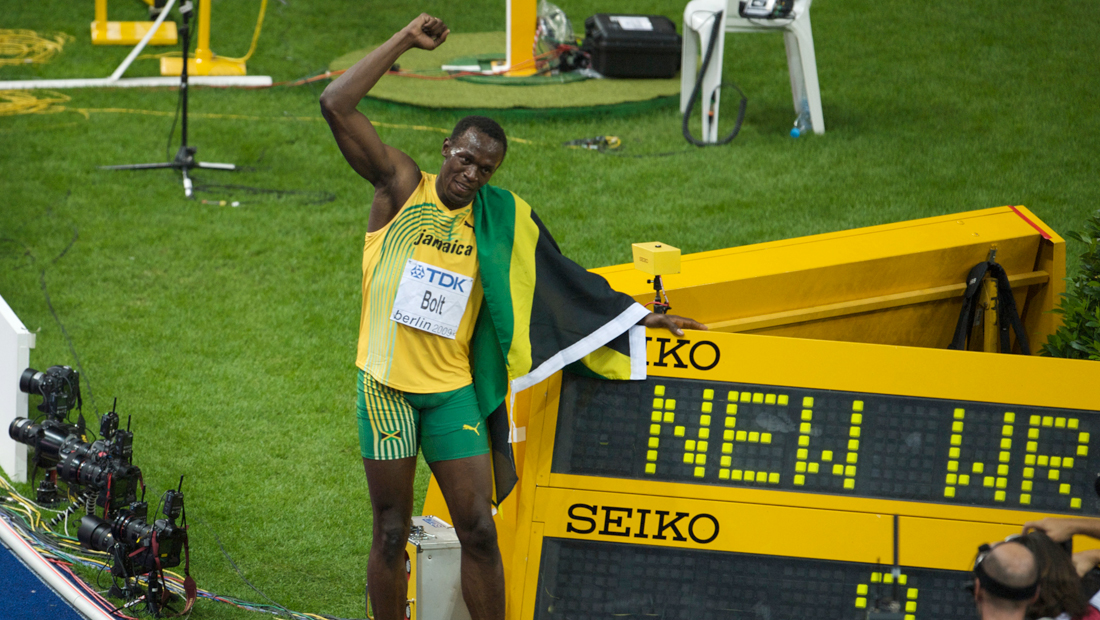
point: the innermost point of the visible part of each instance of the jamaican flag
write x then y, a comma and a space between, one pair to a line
541, 312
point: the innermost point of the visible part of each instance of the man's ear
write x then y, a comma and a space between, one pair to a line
978, 593
446, 144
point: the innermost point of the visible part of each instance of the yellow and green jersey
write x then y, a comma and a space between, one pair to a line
398, 355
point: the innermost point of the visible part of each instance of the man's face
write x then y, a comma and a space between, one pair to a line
469, 161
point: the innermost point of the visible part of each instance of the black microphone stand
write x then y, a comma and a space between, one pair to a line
185, 156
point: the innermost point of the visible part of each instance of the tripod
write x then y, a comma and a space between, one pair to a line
185, 156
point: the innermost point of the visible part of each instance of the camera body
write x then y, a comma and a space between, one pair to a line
93, 466
59, 387
103, 465
138, 547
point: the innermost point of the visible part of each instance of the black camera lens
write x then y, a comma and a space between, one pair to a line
95, 533
132, 528
47, 438
31, 381
23, 430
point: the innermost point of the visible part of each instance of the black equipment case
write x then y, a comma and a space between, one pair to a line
632, 46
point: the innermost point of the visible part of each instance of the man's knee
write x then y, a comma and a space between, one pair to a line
391, 534
478, 534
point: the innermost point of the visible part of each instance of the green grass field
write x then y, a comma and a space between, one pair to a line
229, 333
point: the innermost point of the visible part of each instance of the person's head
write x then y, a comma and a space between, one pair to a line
1005, 580
472, 153
1059, 586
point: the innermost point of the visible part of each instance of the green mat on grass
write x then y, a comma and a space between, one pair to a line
547, 92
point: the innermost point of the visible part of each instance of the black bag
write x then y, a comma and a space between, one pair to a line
1007, 316
632, 46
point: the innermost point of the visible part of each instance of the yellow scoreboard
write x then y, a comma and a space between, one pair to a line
754, 475
760, 476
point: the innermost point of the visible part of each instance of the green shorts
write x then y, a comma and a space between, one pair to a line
394, 424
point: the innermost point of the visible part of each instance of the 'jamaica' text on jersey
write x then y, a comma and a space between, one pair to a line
443, 246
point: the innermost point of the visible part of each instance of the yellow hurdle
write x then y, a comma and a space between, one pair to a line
128, 33
895, 284
204, 61
522, 18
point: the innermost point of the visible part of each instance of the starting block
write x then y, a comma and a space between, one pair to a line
128, 33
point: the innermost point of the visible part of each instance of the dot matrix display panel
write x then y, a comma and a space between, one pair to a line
824, 441
583, 580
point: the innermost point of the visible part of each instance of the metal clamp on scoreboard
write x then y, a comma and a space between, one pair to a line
847, 473
657, 259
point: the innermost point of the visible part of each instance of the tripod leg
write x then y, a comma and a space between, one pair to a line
169, 164
215, 166
186, 183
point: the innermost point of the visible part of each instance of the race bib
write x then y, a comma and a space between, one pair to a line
431, 299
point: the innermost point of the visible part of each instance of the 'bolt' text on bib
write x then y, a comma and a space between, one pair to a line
431, 299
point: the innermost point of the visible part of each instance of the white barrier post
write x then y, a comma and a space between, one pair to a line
15, 356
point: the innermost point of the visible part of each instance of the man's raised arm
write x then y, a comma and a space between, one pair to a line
393, 174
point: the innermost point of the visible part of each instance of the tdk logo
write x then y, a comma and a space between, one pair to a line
439, 278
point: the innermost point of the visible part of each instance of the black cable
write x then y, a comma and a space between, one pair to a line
310, 197
716, 31
645, 155
53, 311
168, 156
609, 145
168, 147
236, 568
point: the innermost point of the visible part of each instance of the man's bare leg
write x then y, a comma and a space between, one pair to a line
467, 488
391, 496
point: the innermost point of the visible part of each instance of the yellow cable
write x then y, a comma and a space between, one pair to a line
255, 34
24, 509
69, 545
21, 509
158, 56
24, 47
28, 507
13, 102
251, 48
6, 485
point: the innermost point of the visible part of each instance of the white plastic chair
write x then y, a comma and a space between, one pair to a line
801, 61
